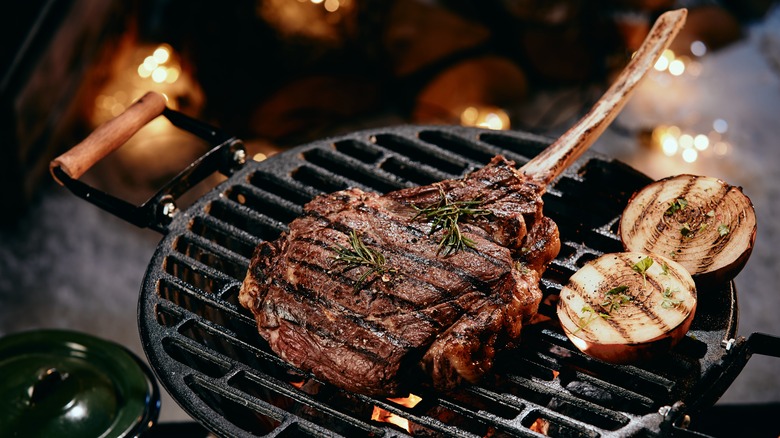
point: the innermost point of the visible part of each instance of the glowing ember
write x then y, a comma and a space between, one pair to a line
298, 385
409, 402
384, 416
541, 426
556, 374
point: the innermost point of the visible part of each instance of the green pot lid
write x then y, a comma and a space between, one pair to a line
69, 384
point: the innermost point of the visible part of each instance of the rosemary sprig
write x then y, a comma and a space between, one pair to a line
361, 255
445, 215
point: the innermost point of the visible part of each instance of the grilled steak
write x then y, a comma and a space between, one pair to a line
413, 301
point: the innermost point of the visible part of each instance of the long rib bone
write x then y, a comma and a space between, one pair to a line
546, 166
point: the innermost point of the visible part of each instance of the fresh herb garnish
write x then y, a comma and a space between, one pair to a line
445, 215
676, 205
688, 232
723, 229
614, 298
664, 268
642, 266
361, 255
588, 316
669, 301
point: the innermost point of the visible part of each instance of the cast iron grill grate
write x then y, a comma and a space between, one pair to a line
207, 353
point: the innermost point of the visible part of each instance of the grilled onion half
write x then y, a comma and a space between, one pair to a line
703, 223
627, 307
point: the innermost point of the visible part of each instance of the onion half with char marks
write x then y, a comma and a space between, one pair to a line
701, 222
626, 307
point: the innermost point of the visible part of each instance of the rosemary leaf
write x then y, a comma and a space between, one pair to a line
445, 216
361, 255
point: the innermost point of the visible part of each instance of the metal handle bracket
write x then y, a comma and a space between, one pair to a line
226, 156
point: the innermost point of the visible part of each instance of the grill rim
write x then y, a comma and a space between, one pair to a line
174, 375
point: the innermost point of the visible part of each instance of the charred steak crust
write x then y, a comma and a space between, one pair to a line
446, 314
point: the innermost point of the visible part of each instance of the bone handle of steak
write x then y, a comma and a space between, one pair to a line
109, 136
546, 166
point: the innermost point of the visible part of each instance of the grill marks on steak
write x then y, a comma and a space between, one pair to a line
446, 314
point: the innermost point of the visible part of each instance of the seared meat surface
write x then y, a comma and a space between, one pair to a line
423, 310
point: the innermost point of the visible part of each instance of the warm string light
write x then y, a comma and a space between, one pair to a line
260, 156
669, 61
690, 146
485, 117
329, 5
677, 65
158, 65
154, 66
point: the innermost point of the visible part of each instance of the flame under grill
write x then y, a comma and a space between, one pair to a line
206, 351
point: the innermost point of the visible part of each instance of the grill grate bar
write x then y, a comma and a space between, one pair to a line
359, 150
448, 165
355, 173
202, 336
285, 189
224, 235
210, 254
250, 221
416, 173
258, 200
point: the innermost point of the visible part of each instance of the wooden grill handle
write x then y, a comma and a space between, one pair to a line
109, 136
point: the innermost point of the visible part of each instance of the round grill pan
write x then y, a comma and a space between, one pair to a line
205, 350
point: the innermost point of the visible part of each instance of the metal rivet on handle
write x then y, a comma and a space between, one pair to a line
169, 209
728, 344
667, 411
239, 156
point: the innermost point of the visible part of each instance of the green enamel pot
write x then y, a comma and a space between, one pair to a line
69, 384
